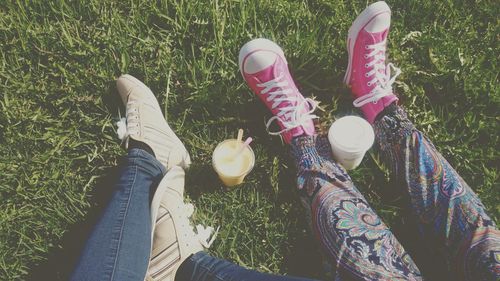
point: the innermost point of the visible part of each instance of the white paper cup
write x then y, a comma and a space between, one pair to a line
350, 138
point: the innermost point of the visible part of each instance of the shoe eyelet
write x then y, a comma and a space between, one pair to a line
366, 47
366, 74
365, 56
366, 65
368, 84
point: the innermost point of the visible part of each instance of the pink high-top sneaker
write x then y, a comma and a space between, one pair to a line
265, 69
367, 74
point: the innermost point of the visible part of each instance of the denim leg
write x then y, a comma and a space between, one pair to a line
203, 267
357, 243
449, 214
119, 246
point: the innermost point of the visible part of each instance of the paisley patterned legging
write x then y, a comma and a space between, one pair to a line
359, 245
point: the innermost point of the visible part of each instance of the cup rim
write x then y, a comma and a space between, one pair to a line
364, 148
245, 172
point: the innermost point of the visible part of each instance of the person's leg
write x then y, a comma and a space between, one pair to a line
449, 213
119, 246
203, 267
357, 243
355, 240
174, 239
175, 242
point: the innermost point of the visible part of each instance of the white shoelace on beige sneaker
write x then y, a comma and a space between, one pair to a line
129, 125
121, 131
187, 240
381, 75
203, 234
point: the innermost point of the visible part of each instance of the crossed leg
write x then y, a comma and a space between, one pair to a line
357, 243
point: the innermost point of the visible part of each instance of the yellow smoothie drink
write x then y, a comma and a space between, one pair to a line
231, 164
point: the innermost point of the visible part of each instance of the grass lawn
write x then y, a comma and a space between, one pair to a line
58, 106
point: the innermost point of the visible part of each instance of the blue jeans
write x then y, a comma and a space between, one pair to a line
118, 248
203, 267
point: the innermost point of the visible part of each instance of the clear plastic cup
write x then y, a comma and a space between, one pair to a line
231, 168
350, 138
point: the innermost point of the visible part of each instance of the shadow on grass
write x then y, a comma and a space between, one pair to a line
201, 178
60, 261
304, 259
302, 253
404, 226
431, 263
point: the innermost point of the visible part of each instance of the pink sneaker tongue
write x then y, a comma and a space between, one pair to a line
278, 69
371, 38
264, 75
269, 73
378, 36
367, 39
371, 110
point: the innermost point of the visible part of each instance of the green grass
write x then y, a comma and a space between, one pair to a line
58, 105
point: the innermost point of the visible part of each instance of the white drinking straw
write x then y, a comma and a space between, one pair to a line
243, 146
240, 136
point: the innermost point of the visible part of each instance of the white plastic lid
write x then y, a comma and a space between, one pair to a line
351, 133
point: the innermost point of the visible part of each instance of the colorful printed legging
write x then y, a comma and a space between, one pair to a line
358, 244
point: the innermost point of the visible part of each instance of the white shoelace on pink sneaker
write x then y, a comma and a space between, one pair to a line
381, 75
290, 116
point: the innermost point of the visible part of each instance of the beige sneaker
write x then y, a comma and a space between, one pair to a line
174, 239
145, 123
